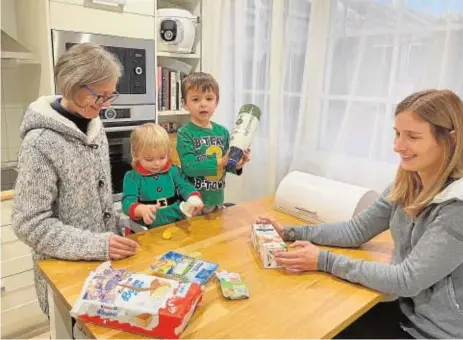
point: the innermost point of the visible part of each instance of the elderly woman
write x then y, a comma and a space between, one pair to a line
63, 204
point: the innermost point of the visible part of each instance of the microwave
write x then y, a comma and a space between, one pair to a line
136, 86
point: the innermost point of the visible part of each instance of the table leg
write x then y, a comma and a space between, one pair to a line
60, 319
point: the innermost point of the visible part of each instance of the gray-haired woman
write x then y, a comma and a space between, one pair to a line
63, 204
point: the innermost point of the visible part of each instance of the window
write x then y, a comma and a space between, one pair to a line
379, 52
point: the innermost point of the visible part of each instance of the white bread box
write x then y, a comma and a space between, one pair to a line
321, 200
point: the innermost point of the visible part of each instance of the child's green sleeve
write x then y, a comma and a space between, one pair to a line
167, 215
183, 185
130, 189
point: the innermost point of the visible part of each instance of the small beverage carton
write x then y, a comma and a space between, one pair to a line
267, 242
233, 288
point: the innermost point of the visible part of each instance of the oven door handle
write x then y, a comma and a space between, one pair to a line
120, 128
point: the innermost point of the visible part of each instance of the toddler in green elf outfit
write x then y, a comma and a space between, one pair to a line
202, 145
154, 191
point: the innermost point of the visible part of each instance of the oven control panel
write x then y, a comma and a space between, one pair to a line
124, 117
115, 113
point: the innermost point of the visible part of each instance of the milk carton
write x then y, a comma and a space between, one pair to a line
267, 242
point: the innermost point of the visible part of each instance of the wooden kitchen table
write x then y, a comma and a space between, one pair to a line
281, 304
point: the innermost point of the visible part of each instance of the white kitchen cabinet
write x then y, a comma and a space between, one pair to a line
71, 17
142, 7
146, 7
8, 234
13, 250
20, 312
6, 207
13, 296
25, 68
16, 265
24, 319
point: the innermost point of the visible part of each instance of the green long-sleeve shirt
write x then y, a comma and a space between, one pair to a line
139, 185
198, 149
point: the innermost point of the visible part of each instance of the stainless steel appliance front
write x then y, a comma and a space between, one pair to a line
136, 86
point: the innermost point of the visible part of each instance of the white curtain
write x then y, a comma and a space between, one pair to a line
372, 54
327, 75
258, 58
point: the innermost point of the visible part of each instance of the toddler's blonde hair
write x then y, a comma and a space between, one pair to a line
146, 138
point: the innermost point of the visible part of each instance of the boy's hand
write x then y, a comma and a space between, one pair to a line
246, 158
222, 162
147, 212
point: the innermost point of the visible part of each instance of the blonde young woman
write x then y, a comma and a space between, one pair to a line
63, 204
423, 208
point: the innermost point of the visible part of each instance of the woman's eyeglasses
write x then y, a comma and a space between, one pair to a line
102, 99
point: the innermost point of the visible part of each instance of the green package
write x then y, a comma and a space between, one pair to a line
233, 288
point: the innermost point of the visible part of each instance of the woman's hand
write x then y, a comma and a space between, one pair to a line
147, 212
246, 158
303, 259
270, 220
121, 247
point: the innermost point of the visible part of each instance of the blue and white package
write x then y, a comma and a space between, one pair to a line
183, 267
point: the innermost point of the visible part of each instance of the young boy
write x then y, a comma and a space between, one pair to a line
202, 145
151, 191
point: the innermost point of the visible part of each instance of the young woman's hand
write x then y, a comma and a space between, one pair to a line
270, 220
147, 212
121, 247
303, 259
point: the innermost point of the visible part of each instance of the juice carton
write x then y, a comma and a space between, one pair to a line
267, 242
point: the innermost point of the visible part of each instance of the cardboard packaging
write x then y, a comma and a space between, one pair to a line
137, 303
267, 242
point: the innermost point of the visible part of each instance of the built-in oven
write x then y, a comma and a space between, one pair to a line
136, 102
120, 158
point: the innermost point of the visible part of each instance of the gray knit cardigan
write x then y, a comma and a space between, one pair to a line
63, 204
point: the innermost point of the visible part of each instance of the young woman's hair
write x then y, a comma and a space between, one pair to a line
85, 64
201, 82
148, 138
443, 109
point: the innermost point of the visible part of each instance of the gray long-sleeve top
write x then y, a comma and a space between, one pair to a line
427, 263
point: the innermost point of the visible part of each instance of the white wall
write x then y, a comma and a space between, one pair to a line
23, 81
20, 87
